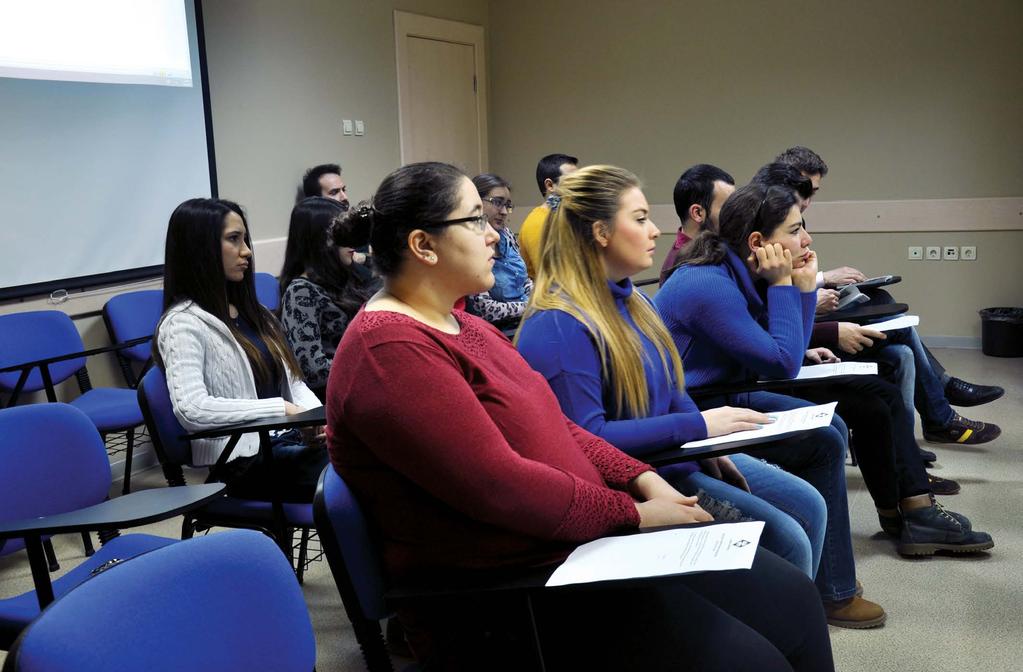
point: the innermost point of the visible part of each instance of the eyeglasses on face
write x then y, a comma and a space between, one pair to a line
477, 223
499, 202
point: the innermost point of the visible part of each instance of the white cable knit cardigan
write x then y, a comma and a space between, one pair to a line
211, 384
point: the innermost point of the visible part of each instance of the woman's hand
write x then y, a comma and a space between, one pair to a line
651, 485
772, 263
660, 511
827, 301
821, 356
853, 338
727, 420
805, 277
292, 409
723, 469
314, 436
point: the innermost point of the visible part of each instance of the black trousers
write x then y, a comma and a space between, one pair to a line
295, 471
767, 619
886, 448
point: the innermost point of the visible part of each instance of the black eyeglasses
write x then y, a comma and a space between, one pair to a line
479, 223
499, 202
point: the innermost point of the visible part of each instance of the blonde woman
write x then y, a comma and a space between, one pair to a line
616, 372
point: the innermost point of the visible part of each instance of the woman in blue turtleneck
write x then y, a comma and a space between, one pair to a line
616, 372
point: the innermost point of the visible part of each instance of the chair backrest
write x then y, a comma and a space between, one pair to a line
268, 291
165, 431
227, 601
34, 335
344, 536
53, 461
134, 315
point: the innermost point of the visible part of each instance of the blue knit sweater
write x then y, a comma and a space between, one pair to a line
561, 349
729, 329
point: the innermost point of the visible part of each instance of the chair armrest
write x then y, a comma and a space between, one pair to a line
138, 508
468, 582
75, 355
865, 314
311, 418
682, 454
646, 283
774, 385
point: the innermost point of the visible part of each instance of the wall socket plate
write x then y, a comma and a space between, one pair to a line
950, 253
968, 253
360, 128
916, 252
933, 252
346, 126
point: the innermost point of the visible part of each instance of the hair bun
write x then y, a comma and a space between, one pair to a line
352, 228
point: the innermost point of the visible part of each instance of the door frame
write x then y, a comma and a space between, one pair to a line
427, 27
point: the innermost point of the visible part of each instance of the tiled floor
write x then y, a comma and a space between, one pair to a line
943, 613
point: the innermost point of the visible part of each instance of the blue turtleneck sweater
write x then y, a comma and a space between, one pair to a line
728, 329
560, 347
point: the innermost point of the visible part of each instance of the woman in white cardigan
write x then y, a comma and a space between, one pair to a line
225, 358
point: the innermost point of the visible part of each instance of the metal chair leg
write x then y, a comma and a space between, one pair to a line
87, 544
106, 535
51, 556
303, 548
129, 450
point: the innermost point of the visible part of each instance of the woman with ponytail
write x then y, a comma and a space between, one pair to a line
225, 358
463, 462
613, 366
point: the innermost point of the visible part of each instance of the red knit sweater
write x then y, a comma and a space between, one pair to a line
458, 450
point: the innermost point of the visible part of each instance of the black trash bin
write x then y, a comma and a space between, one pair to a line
1001, 332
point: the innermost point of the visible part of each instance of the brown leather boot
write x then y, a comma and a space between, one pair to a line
854, 612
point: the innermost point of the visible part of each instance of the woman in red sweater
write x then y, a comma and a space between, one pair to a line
462, 459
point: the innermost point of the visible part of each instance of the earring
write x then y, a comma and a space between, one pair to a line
431, 257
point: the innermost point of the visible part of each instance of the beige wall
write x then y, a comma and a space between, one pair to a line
282, 77
905, 100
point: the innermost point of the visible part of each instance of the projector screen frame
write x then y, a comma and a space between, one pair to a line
84, 282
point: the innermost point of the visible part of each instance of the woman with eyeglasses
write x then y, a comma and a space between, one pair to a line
320, 293
463, 463
502, 304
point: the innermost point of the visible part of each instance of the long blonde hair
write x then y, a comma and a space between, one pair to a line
571, 278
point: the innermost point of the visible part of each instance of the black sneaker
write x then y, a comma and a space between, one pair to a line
962, 430
961, 393
943, 486
934, 528
927, 457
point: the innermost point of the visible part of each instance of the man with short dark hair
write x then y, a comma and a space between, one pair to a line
549, 171
938, 390
325, 180
699, 194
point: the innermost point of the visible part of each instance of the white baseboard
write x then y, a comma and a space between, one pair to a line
960, 342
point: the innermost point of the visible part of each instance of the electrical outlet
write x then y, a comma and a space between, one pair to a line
346, 126
968, 253
950, 253
916, 252
933, 252
360, 128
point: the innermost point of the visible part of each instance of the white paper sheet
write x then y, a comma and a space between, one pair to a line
900, 322
809, 417
814, 371
678, 551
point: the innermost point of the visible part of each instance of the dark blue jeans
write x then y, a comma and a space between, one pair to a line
817, 457
921, 385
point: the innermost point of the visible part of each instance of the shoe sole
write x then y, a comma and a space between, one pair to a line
859, 625
918, 550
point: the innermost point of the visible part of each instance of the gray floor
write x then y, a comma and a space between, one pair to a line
943, 613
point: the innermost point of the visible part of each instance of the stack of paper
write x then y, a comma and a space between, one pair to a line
810, 417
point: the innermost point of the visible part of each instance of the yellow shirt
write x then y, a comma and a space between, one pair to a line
529, 238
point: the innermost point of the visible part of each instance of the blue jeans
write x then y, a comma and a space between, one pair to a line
917, 378
794, 513
818, 457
